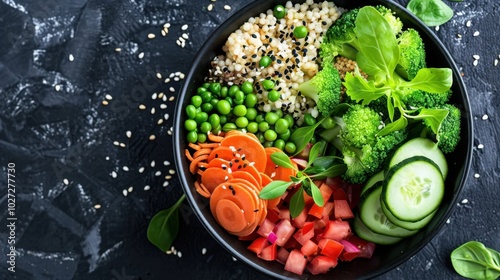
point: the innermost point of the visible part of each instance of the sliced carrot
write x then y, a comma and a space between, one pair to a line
215, 138
277, 172
246, 176
201, 189
221, 152
247, 166
209, 145
230, 216
193, 167
248, 147
203, 151
265, 179
188, 155
213, 176
220, 163
194, 146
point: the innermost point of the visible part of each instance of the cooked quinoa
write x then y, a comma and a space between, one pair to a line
293, 60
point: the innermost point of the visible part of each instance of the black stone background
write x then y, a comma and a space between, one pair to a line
68, 134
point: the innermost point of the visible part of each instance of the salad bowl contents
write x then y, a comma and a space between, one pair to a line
323, 138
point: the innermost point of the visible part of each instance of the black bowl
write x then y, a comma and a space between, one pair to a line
385, 258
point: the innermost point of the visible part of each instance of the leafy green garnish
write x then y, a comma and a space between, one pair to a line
164, 226
475, 261
430, 12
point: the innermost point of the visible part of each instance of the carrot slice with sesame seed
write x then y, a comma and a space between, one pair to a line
214, 176
246, 176
249, 147
230, 215
193, 167
220, 163
278, 172
221, 152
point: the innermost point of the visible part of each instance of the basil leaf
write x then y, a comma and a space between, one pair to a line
282, 159
360, 89
400, 123
316, 150
474, 260
274, 189
376, 40
431, 12
432, 118
325, 161
303, 135
316, 194
431, 80
164, 226
297, 203
314, 169
332, 171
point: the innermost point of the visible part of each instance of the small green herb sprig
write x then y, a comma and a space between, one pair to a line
164, 226
431, 12
475, 261
319, 167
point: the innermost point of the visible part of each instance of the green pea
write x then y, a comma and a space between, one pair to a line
251, 100
261, 138
267, 84
224, 107
201, 90
279, 11
290, 147
328, 123
230, 100
228, 127
270, 135
239, 96
207, 107
196, 100
290, 120
279, 143
241, 122
205, 127
239, 102
223, 91
214, 102
273, 95
206, 96
268, 144
214, 88
279, 113
263, 126
192, 136
265, 61
206, 85
217, 129
240, 110
253, 127
281, 126
247, 87
223, 119
300, 32
271, 117
232, 90
251, 114
286, 135
191, 111
190, 125
309, 119
260, 118
214, 120
202, 137
201, 117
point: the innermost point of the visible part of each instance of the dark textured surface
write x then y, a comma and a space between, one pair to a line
54, 128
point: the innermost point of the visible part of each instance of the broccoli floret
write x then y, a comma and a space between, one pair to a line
449, 132
395, 22
340, 38
414, 98
411, 54
363, 151
324, 89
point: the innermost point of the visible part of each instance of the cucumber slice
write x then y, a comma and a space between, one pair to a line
406, 225
420, 147
368, 235
371, 214
377, 177
413, 189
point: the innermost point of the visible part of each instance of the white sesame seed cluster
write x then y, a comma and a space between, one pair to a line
293, 60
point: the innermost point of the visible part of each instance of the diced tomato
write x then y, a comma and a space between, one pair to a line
342, 210
339, 193
273, 215
316, 211
258, 244
292, 244
282, 255
367, 248
296, 262
328, 209
305, 233
300, 220
284, 230
330, 248
265, 228
284, 214
321, 264
269, 253
336, 230
326, 191
309, 248
319, 224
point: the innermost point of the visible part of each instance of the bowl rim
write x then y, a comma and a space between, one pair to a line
178, 153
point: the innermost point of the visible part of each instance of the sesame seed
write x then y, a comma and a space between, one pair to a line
476, 57
179, 254
171, 89
166, 25
210, 7
163, 32
160, 95
122, 145
159, 76
171, 98
475, 62
227, 7
185, 36
166, 116
147, 187
459, 35
495, 63
116, 143
158, 173
66, 181
105, 103
141, 169
163, 106
153, 163
480, 146
166, 163
57, 87
142, 106
151, 36
168, 177
107, 158
97, 206
234, 259
152, 137
125, 192
118, 49
184, 27
485, 117
203, 251
464, 201
475, 34
113, 174
167, 80
154, 96
153, 111
71, 57
128, 133
130, 189
171, 171
109, 97
468, 24
125, 168
165, 184
476, 175
159, 122
141, 55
